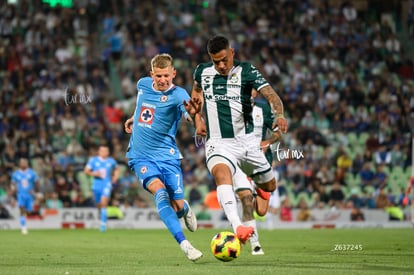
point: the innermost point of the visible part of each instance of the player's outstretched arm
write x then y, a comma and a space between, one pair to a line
128, 125
265, 144
277, 108
88, 171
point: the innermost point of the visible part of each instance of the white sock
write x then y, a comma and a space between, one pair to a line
227, 200
254, 239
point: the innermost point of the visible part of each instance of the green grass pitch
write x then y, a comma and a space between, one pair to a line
316, 251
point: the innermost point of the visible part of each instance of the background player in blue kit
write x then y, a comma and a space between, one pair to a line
153, 153
24, 182
105, 172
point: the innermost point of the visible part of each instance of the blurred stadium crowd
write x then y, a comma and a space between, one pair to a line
67, 83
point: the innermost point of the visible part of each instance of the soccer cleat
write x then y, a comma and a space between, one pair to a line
24, 231
192, 253
263, 194
190, 219
102, 228
257, 250
244, 233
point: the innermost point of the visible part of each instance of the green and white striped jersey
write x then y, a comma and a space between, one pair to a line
227, 99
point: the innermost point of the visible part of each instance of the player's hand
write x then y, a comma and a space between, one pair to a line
128, 125
282, 123
405, 201
98, 174
264, 145
193, 106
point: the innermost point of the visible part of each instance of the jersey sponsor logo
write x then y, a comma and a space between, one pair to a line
260, 81
206, 83
258, 120
233, 86
206, 79
221, 97
178, 190
146, 115
164, 98
152, 106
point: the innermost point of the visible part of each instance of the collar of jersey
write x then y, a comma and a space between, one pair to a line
169, 89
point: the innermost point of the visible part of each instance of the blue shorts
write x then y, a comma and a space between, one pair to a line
98, 194
168, 171
25, 201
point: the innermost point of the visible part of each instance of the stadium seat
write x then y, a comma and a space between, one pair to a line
85, 184
351, 109
294, 200
397, 170
387, 170
352, 181
362, 138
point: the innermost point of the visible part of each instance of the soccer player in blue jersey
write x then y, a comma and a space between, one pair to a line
105, 172
153, 153
24, 182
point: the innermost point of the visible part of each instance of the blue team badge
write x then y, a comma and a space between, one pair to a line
164, 98
143, 169
172, 151
146, 115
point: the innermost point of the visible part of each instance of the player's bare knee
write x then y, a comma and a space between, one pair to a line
271, 185
222, 174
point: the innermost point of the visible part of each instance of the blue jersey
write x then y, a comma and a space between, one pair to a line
25, 181
156, 120
105, 167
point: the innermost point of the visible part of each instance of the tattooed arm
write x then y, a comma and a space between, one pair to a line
276, 105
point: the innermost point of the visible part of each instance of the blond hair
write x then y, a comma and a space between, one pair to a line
162, 61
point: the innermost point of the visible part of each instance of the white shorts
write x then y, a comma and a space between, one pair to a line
241, 181
243, 152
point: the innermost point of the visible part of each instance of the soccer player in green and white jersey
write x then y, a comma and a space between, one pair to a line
224, 86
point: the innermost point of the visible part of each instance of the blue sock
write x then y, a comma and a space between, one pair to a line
183, 211
168, 215
104, 215
23, 221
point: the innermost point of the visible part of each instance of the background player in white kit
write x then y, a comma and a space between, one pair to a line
244, 187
